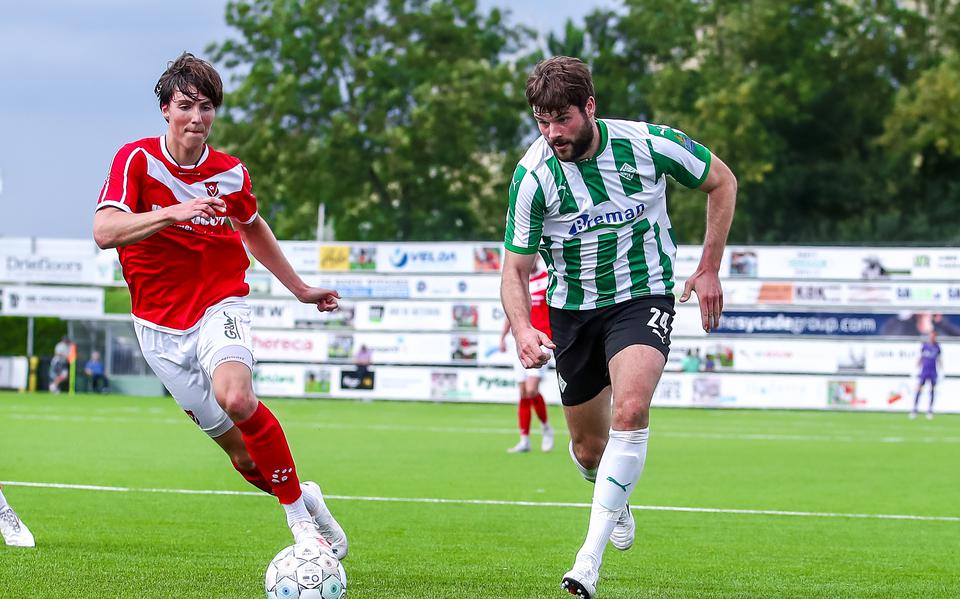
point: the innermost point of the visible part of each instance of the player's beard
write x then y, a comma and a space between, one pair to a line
578, 145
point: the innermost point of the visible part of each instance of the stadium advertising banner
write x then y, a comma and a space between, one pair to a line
394, 382
809, 356
56, 268
14, 372
784, 324
439, 287
385, 347
823, 293
404, 316
62, 302
425, 257
843, 263
804, 392
429, 316
293, 346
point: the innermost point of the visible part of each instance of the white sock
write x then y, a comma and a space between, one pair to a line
297, 512
620, 469
590, 474
311, 502
3, 502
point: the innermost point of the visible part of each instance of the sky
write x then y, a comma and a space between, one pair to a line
76, 83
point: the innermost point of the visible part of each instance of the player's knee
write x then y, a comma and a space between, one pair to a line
630, 415
243, 463
239, 404
588, 452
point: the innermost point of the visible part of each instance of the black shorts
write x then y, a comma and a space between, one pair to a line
587, 339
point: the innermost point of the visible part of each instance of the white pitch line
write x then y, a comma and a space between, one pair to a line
499, 502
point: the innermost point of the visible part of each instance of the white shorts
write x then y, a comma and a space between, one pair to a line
185, 362
523, 374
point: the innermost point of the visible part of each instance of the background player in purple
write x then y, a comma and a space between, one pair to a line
929, 363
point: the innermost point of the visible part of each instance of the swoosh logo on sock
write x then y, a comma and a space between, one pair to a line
614, 481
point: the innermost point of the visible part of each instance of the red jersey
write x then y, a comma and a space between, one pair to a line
181, 270
539, 310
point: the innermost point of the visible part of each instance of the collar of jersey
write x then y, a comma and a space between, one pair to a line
603, 141
172, 160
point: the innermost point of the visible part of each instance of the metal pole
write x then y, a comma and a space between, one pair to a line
29, 336
321, 220
108, 351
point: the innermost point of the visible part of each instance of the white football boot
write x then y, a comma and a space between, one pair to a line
581, 580
625, 530
306, 531
15, 533
523, 446
326, 523
546, 444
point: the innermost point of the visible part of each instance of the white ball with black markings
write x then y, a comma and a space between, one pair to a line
305, 571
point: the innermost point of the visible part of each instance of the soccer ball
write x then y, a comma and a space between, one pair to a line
305, 571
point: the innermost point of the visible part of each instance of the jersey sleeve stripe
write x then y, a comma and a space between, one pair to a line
249, 220
525, 219
113, 204
687, 169
126, 173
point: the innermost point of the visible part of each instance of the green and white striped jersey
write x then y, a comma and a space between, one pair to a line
601, 224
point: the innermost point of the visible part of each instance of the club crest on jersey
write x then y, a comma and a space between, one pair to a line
606, 219
213, 188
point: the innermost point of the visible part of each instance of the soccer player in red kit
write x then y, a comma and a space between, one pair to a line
179, 213
529, 378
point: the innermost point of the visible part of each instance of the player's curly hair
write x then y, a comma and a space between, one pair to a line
559, 82
187, 72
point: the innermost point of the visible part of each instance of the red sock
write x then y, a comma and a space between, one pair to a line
268, 447
524, 415
254, 478
540, 407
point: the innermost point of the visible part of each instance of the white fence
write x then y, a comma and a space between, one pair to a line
804, 327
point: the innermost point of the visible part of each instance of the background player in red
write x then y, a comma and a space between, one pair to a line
179, 213
530, 378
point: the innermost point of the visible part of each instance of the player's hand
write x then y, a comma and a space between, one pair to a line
325, 299
503, 346
706, 284
529, 342
203, 207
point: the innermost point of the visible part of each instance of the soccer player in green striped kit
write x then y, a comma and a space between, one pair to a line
590, 196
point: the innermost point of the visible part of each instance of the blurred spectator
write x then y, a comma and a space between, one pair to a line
710, 363
930, 362
60, 365
691, 362
362, 360
95, 372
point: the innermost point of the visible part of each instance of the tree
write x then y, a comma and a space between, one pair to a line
792, 95
398, 114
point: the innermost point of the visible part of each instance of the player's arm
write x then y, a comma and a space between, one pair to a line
721, 189
262, 243
113, 227
515, 296
503, 334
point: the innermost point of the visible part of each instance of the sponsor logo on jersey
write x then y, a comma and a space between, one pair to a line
684, 141
230, 327
627, 172
599, 218
213, 188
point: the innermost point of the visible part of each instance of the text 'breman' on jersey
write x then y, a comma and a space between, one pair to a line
601, 224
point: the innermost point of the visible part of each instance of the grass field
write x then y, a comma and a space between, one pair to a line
838, 469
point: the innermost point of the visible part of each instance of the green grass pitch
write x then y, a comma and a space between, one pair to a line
99, 543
